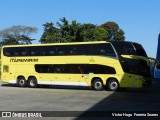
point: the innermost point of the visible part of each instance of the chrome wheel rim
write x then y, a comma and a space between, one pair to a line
114, 85
98, 85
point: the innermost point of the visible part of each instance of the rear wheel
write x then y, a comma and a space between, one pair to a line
21, 82
112, 85
32, 82
97, 84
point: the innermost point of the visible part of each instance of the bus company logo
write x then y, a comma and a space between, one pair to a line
23, 60
21, 114
6, 114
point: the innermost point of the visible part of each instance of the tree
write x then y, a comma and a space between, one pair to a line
88, 32
76, 32
17, 35
93, 33
100, 34
113, 31
70, 32
64, 32
51, 34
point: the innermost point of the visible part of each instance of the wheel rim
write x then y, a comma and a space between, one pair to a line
114, 85
21, 82
98, 85
32, 83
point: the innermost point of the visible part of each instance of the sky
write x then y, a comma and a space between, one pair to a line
139, 19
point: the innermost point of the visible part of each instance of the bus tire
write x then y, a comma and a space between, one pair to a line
21, 82
112, 85
32, 82
97, 84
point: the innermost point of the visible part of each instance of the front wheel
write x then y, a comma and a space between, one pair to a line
32, 82
112, 85
97, 84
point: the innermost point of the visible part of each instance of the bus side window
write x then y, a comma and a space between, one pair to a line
16, 53
7, 54
71, 52
24, 53
61, 53
58, 68
43, 68
80, 69
51, 53
72, 69
102, 52
32, 53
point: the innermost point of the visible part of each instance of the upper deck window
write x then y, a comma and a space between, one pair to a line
124, 48
101, 49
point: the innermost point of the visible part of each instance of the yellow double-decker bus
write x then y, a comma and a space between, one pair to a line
99, 65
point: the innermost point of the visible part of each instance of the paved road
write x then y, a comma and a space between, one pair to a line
63, 98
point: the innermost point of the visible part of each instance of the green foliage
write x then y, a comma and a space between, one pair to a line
76, 32
100, 34
51, 34
113, 30
88, 32
16, 35
70, 32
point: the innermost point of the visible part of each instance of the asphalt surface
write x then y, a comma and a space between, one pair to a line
69, 98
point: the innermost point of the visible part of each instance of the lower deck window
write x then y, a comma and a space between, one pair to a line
74, 68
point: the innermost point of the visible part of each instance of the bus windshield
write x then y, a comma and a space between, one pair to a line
129, 48
140, 50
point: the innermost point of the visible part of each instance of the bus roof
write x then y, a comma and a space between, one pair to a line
69, 43
122, 42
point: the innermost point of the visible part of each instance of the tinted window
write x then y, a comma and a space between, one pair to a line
74, 69
34, 51
124, 48
59, 69
133, 66
98, 49
44, 68
140, 50
59, 50
98, 69
15, 51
